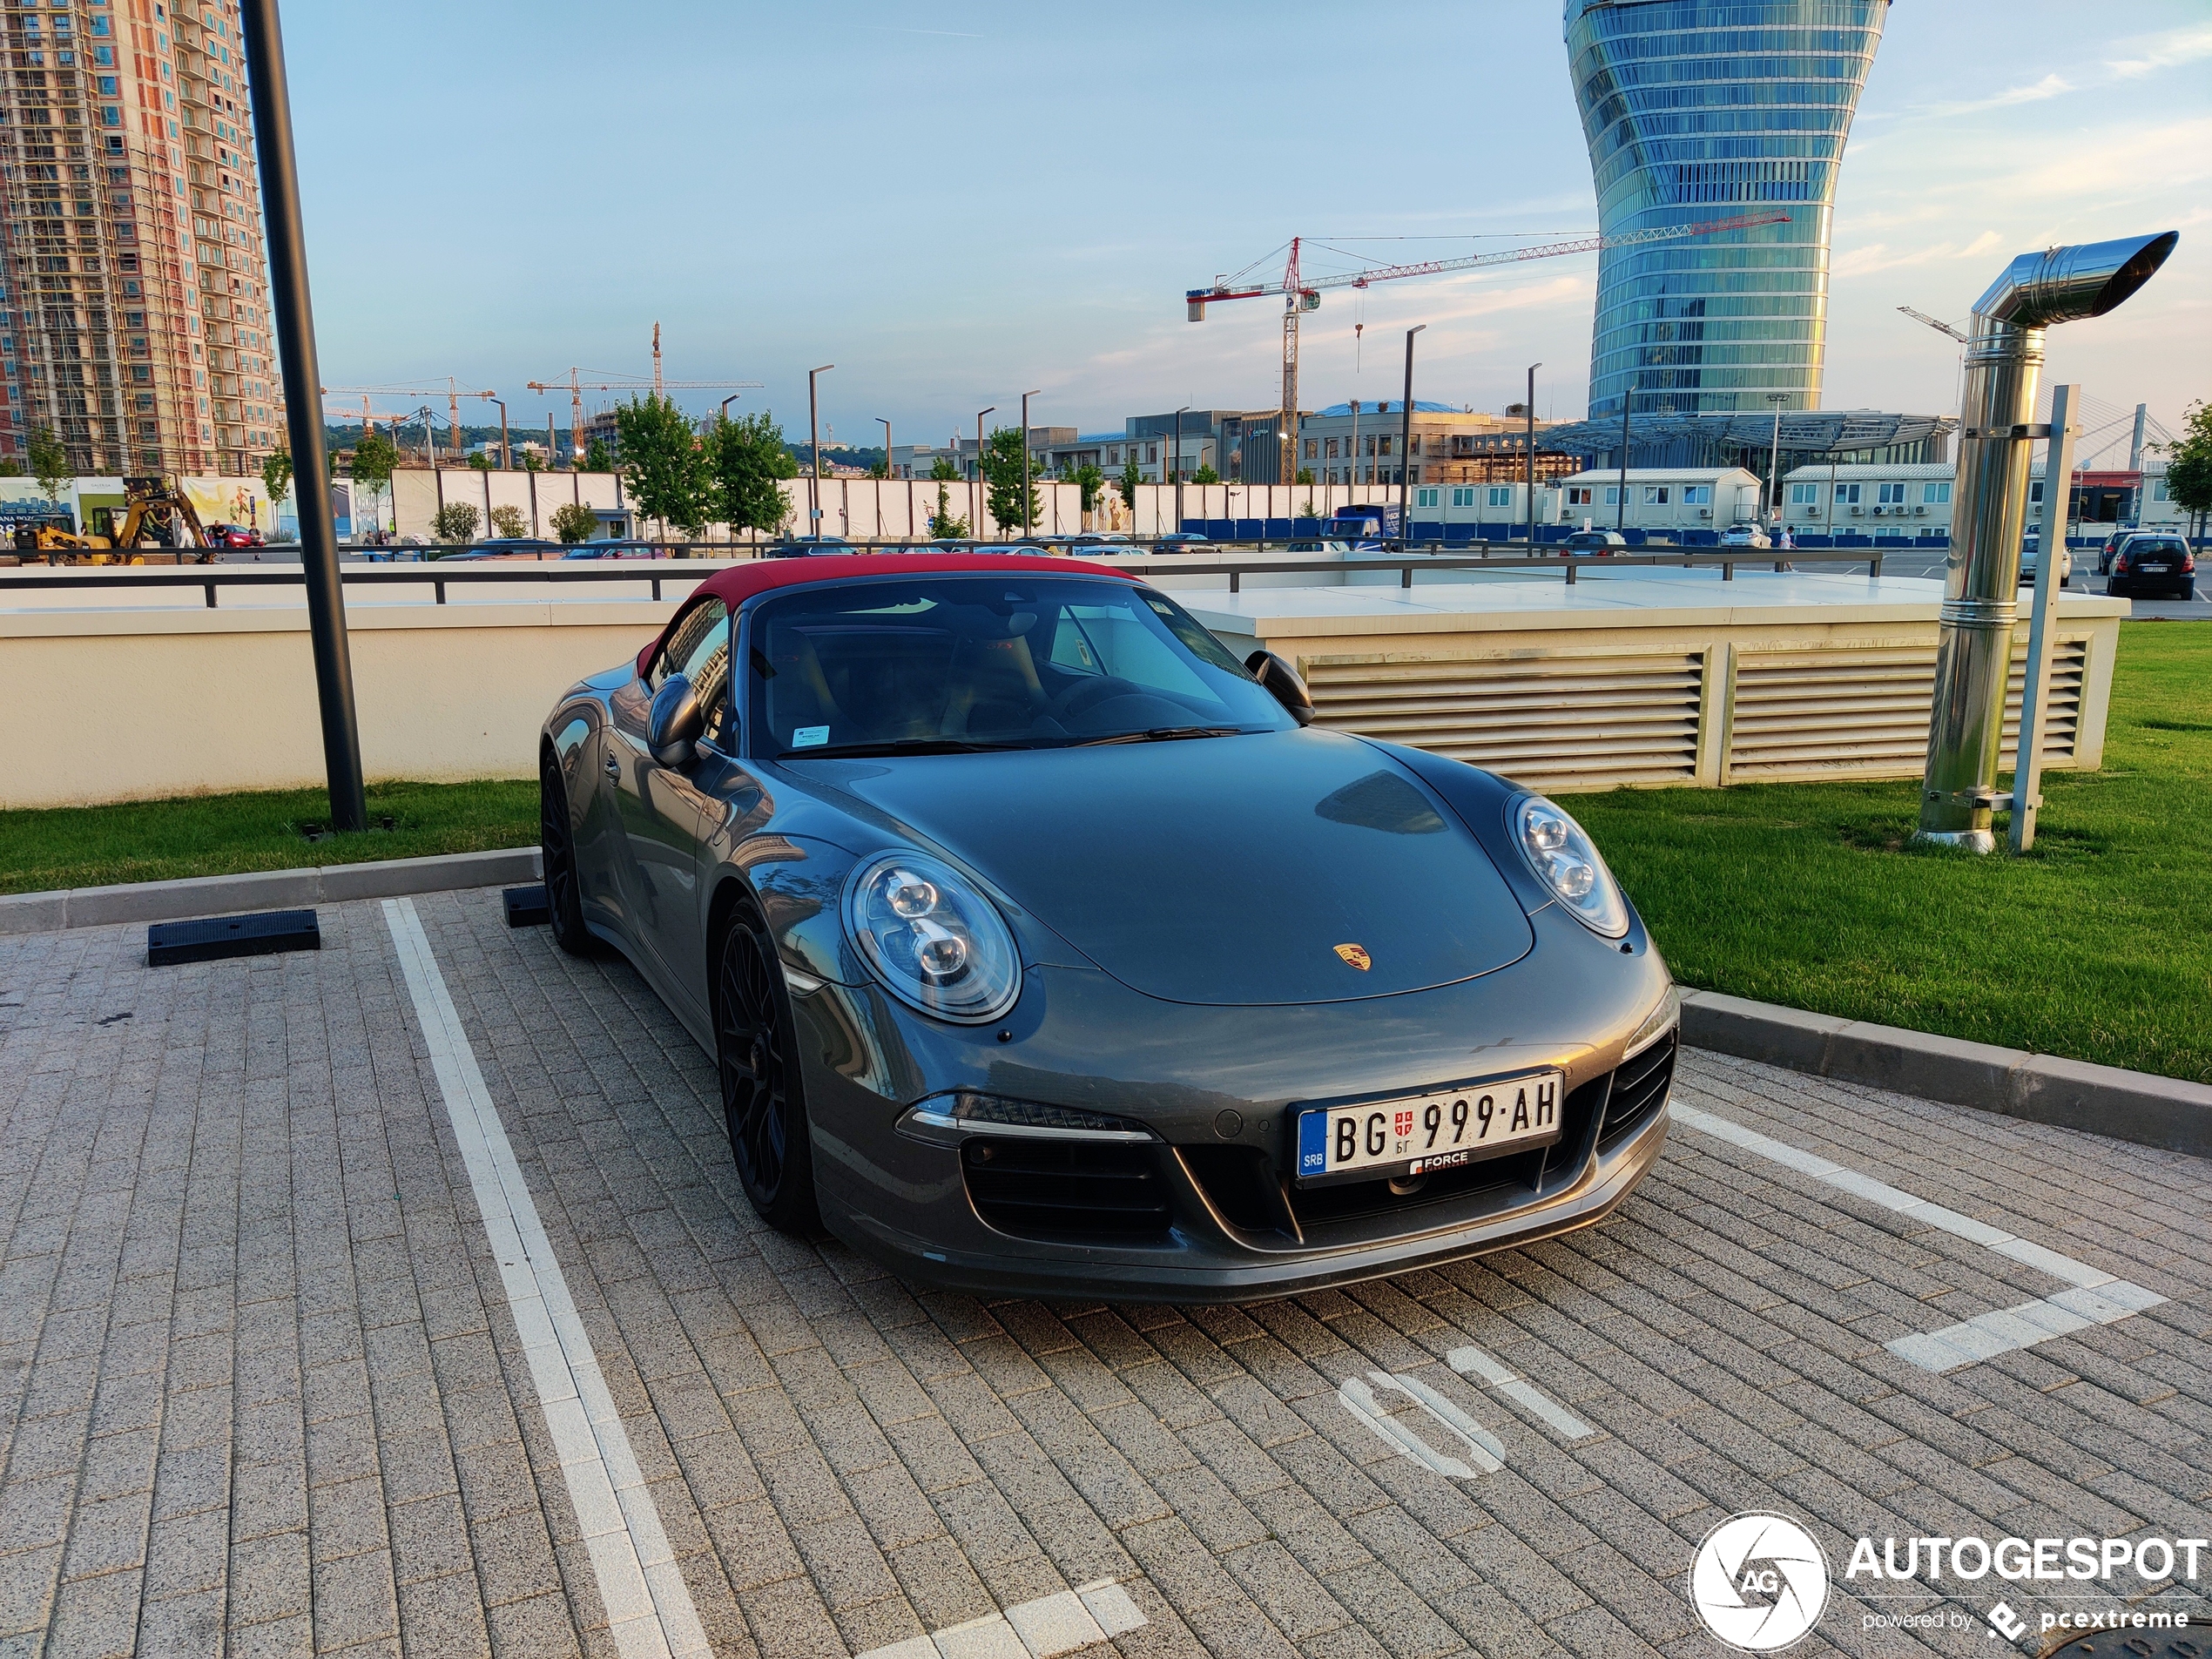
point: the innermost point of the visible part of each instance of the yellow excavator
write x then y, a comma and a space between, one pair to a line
158, 518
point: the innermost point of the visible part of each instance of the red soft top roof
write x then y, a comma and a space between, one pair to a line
741, 582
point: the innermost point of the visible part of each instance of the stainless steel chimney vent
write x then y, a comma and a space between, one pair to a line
1989, 509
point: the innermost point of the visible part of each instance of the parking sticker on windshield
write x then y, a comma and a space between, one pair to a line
809, 737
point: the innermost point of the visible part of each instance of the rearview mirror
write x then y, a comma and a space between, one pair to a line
674, 721
1283, 684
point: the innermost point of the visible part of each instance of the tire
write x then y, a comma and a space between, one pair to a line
557, 848
2113, 589
2188, 588
763, 1101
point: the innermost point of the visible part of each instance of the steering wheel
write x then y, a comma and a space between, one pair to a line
1088, 694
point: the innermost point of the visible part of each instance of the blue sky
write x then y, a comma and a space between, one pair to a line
956, 202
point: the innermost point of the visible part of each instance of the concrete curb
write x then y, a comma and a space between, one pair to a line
215, 895
2136, 1106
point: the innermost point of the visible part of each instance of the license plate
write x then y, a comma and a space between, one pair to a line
2157, 570
1437, 1129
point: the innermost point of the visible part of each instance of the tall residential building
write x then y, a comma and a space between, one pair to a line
1696, 110
134, 317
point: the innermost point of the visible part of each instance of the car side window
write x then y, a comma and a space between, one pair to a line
698, 648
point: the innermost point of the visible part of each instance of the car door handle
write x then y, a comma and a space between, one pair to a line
613, 769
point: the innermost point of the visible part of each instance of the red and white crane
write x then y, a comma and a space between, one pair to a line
1300, 294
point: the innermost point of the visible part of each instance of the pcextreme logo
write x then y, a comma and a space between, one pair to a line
1759, 1583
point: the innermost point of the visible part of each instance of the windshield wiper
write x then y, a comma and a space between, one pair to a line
896, 747
1160, 734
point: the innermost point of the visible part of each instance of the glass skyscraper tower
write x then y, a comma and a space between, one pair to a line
1698, 110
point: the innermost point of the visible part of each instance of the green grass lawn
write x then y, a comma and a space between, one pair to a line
2098, 945
157, 840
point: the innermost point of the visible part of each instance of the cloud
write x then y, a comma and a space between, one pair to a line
2051, 85
2164, 51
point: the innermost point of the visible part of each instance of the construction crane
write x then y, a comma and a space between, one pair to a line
577, 385
453, 397
1940, 327
1301, 295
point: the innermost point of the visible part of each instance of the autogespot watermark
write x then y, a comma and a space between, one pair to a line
1759, 1583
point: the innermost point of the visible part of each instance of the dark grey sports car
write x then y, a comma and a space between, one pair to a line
1043, 947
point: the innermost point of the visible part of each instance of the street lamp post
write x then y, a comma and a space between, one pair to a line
728, 401
1028, 513
1405, 443
295, 332
975, 490
506, 455
1774, 459
886, 425
1620, 487
1175, 460
1528, 410
814, 454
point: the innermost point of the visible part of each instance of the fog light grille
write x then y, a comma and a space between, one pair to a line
1638, 1090
1063, 1190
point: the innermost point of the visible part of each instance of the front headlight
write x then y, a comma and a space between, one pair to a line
932, 939
1565, 861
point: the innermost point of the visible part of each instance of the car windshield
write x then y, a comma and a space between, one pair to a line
955, 662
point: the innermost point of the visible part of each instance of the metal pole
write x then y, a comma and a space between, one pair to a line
1352, 475
1176, 462
886, 425
295, 332
1529, 410
975, 487
1621, 489
2058, 484
1405, 442
1774, 458
814, 457
506, 453
1029, 512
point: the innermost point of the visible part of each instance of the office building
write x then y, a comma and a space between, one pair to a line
134, 296
1695, 112
1367, 443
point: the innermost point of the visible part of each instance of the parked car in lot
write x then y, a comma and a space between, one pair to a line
1343, 1009
621, 550
2149, 566
2113, 543
1180, 542
513, 547
233, 536
2032, 557
1104, 541
1340, 548
1745, 536
801, 547
1596, 541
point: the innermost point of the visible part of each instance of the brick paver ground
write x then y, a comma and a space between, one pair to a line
261, 1393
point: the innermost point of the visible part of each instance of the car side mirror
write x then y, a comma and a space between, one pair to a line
1283, 684
674, 721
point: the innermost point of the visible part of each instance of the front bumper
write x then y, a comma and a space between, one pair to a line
1218, 1088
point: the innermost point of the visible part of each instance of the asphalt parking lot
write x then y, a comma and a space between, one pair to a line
400, 1297
2086, 580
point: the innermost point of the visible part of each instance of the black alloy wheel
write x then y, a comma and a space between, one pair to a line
763, 1101
556, 846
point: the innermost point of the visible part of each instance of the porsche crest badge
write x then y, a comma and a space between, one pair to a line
1356, 955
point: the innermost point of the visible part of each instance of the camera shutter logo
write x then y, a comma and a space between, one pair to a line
1759, 1582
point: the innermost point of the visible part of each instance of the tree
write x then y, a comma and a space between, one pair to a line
1002, 470
573, 521
48, 464
944, 524
1304, 477
942, 470
746, 460
481, 461
375, 457
276, 478
1092, 483
2188, 465
598, 457
533, 461
509, 523
454, 523
1205, 474
663, 463
880, 468
1519, 411
1132, 477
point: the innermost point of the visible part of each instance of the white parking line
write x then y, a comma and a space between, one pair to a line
2096, 1298
1483, 1452
1036, 1630
1470, 1361
649, 1606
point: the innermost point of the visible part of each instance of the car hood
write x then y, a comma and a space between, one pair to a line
1275, 867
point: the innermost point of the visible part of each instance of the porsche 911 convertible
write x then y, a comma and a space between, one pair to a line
1043, 947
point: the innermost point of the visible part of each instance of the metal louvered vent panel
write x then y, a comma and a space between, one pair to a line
1585, 722
1864, 713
